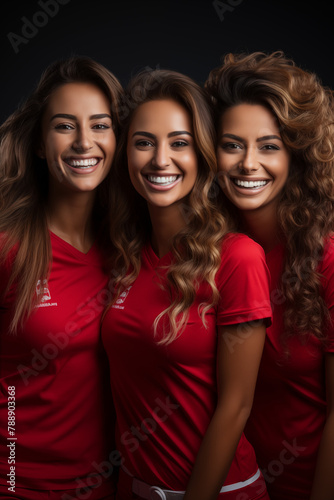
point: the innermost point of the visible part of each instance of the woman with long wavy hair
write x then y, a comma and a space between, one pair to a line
275, 151
188, 296
56, 152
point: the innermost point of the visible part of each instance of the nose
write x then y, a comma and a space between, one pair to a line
83, 140
161, 158
249, 162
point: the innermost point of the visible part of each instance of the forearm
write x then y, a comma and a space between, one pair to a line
236, 379
216, 454
323, 484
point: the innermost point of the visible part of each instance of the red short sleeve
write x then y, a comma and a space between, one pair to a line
327, 271
243, 282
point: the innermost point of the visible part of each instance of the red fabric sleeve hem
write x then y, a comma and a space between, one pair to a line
245, 317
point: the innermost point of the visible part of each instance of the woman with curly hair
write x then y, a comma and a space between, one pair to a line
188, 297
56, 152
275, 152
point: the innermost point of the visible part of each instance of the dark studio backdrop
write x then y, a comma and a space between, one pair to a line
189, 36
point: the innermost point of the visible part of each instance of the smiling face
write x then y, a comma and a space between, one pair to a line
162, 159
77, 138
252, 158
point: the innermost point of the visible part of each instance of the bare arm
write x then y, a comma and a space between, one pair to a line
239, 353
323, 484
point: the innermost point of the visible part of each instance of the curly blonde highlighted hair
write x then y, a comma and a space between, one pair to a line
196, 248
305, 113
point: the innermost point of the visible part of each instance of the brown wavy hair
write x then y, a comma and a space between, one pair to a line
196, 248
305, 113
24, 178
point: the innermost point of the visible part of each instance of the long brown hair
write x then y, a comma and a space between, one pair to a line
24, 181
196, 248
305, 113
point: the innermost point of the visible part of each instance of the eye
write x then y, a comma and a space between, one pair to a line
270, 147
179, 144
64, 126
144, 143
230, 146
101, 126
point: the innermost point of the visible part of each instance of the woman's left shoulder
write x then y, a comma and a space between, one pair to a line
241, 246
328, 253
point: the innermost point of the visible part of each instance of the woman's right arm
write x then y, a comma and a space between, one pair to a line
238, 359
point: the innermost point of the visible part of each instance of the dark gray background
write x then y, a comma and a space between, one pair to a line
184, 35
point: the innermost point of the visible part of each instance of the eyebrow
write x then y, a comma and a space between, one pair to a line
171, 134
73, 117
260, 139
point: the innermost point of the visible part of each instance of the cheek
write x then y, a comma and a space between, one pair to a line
190, 163
287, 169
54, 149
134, 168
55, 145
109, 145
221, 180
133, 164
222, 162
222, 174
50, 146
285, 177
281, 168
193, 170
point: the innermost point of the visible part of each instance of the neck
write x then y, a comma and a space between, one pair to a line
262, 226
70, 218
166, 223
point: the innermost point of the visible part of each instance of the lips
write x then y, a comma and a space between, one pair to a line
162, 182
82, 166
82, 162
254, 184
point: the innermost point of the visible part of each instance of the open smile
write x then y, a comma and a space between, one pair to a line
82, 165
162, 182
249, 187
255, 184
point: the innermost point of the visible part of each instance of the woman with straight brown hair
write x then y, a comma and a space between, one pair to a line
185, 330
275, 151
56, 152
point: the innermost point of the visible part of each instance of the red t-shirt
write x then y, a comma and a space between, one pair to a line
289, 409
59, 370
165, 396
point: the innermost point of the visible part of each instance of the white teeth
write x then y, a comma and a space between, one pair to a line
89, 162
249, 184
157, 179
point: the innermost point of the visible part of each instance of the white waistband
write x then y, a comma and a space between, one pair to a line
148, 492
